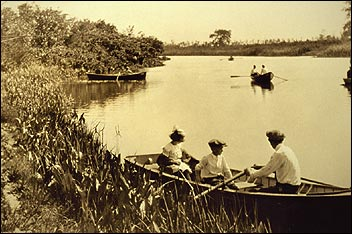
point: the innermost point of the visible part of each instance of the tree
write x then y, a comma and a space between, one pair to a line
346, 34
221, 37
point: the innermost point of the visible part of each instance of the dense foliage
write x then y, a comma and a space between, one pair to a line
76, 46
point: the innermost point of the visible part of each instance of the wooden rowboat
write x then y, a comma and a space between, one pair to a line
317, 207
95, 76
133, 76
264, 78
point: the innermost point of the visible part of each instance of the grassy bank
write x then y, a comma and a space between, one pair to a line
57, 176
335, 48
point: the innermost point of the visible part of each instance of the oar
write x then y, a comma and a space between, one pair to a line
257, 167
219, 185
239, 76
280, 77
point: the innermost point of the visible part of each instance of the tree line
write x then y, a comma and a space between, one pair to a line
49, 37
221, 44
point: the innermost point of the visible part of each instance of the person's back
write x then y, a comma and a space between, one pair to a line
253, 71
283, 162
263, 70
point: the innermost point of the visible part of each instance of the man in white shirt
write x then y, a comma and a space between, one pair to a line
283, 162
213, 167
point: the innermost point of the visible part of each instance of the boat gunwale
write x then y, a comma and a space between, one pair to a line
344, 191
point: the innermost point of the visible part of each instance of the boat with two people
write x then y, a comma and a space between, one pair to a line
317, 207
262, 78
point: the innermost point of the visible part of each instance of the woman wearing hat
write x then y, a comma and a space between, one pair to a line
173, 156
283, 162
213, 167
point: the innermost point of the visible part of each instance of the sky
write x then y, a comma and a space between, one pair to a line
191, 21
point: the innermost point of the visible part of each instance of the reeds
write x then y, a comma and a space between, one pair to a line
68, 162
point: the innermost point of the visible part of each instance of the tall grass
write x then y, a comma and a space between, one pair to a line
68, 162
322, 48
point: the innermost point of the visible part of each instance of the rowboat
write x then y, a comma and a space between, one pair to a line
264, 78
96, 76
317, 207
133, 76
231, 58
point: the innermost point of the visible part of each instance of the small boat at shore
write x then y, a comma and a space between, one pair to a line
96, 76
264, 78
231, 58
133, 76
317, 207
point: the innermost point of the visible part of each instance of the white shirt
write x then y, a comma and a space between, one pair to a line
174, 153
285, 163
212, 166
264, 70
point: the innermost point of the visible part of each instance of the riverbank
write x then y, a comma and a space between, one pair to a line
24, 208
334, 48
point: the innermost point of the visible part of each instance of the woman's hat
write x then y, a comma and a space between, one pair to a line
216, 142
177, 134
275, 135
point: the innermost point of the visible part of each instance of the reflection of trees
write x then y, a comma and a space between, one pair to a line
85, 93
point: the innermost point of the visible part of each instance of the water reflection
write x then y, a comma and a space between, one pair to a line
264, 86
87, 92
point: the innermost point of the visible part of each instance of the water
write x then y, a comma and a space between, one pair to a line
196, 93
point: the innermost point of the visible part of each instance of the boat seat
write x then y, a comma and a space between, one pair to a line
245, 185
152, 166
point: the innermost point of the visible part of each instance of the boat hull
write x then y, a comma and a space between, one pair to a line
134, 76
317, 208
265, 78
94, 76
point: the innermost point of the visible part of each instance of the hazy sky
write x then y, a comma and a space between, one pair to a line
195, 20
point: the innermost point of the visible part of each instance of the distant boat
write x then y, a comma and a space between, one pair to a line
347, 81
133, 76
231, 58
95, 76
264, 78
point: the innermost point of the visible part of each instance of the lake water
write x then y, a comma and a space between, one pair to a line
196, 93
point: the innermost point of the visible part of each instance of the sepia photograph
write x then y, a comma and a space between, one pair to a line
176, 116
